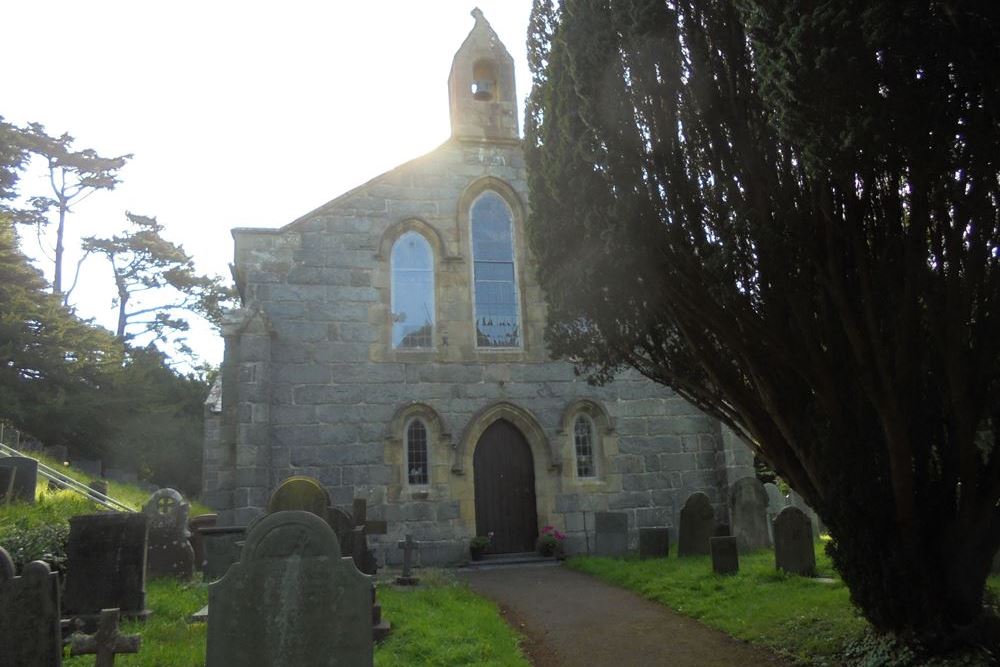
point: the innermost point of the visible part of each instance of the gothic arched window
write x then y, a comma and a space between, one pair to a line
583, 440
496, 302
417, 462
412, 292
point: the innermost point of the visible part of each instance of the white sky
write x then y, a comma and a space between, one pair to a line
240, 114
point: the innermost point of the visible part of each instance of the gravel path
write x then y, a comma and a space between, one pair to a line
572, 619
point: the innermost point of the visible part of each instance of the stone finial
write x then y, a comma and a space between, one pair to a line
477, 14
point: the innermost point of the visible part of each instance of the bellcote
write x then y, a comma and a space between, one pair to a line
481, 87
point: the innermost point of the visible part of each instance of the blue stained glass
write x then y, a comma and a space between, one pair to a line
493, 265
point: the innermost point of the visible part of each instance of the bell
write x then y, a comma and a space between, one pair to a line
482, 89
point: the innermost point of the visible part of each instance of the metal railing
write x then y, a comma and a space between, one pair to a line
66, 482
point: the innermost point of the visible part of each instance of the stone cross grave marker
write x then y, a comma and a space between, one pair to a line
793, 543
725, 555
106, 642
371, 527
25, 477
697, 522
169, 553
292, 599
654, 543
408, 546
106, 565
748, 507
610, 534
29, 615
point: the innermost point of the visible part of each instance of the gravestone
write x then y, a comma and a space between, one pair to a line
610, 534
106, 642
776, 502
169, 553
725, 554
748, 509
654, 543
795, 500
92, 467
367, 564
793, 543
59, 453
25, 477
223, 545
408, 546
697, 521
300, 492
106, 565
195, 539
29, 615
122, 476
292, 599
7, 476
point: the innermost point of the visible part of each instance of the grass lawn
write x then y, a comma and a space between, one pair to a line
438, 623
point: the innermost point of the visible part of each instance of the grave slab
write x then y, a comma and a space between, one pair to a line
697, 523
292, 599
748, 511
793, 542
25, 477
725, 555
610, 534
30, 633
654, 543
222, 548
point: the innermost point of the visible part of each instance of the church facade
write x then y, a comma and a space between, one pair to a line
390, 344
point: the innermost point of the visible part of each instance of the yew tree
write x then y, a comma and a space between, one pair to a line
788, 213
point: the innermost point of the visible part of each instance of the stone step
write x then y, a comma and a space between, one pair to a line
491, 561
381, 631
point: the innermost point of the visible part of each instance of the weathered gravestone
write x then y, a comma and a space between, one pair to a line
291, 600
195, 539
793, 543
300, 492
29, 615
795, 500
222, 546
748, 509
92, 467
106, 642
697, 522
7, 476
654, 543
610, 534
725, 555
408, 546
25, 477
106, 565
372, 527
776, 502
169, 553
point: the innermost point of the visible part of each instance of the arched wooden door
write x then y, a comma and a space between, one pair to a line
504, 475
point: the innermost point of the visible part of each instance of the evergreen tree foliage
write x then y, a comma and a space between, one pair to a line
788, 212
156, 284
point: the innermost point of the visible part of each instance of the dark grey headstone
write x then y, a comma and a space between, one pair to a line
223, 545
92, 467
654, 543
195, 539
748, 509
793, 543
29, 615
170, 553
725, 555
106, 564
25, 477
291, 600
697, 522
58, 452
610, 534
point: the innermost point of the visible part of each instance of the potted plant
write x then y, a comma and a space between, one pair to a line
478, 545
550, 542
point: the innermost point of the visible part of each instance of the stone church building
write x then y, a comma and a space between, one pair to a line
390, 344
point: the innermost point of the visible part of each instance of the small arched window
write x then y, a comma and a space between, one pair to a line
412, 292
496, 303
583, 440
417, 462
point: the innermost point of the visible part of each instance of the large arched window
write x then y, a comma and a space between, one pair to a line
583, 441
417, 461
412, 292
496, 302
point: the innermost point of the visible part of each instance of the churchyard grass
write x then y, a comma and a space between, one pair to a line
806, 620
441, 622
